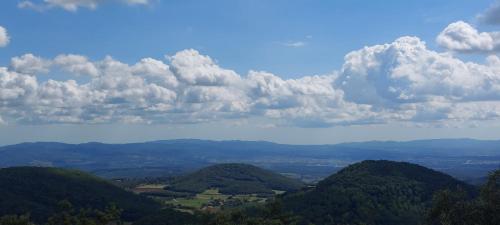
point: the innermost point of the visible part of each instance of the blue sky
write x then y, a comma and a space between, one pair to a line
289, 39
241, 35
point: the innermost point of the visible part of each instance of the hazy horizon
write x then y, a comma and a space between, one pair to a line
253, 140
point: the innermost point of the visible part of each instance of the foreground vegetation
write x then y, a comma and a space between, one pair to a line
455, 207
38, 191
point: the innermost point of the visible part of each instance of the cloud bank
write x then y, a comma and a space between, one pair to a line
462, 37
73, 5
402, 81
4, 37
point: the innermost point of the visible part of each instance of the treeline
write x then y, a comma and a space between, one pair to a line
68, 215
270, 214
455, 207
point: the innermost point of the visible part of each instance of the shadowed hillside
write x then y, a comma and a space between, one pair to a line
372, 192
234, 179
38, 191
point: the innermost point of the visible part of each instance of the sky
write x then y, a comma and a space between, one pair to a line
289, 71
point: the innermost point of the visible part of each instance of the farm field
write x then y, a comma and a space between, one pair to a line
208, 200
213, 200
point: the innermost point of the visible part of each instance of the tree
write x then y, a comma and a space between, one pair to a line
456, 208
15, 220
490, 199
69, 216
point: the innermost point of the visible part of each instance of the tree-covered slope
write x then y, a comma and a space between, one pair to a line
372, 192
234, 179
38, 191
455, 207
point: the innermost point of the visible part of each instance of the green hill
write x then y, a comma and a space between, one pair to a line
38, 191
234, 179
372, 192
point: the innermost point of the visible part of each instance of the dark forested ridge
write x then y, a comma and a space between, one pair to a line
234, 178
39, 191
373, 192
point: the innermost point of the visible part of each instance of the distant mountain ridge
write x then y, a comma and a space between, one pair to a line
487, 147
195, 140
466, 158
462, 143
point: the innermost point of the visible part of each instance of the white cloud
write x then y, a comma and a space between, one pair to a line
137, 2
402, 81
491, 15
405, 81
16, 89
155, 71
405, 71
462, 37
30, 64
73, 5
195, 69
4, 37
294, 44
76, 64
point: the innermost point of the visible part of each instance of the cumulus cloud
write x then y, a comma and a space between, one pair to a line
196, 69
76, 64
402, 81
73, 5
491, 15
405, 71
4, 37
462, 37
407, 81
30, 64
149, 90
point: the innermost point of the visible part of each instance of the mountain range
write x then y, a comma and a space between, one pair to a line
466, 159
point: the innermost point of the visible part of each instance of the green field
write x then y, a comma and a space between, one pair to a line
151, 186
212, 197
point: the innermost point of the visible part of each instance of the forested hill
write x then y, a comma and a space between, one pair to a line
38, 191
372, 192
234, 178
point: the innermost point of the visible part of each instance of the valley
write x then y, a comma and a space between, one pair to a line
466, 159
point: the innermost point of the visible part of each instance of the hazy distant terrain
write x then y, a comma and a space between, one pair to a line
466, 159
